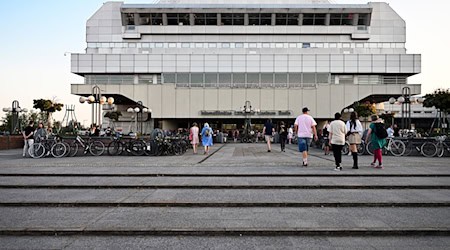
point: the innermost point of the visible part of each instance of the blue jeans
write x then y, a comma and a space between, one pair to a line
303, 144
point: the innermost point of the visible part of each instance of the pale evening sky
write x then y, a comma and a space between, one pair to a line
37, 33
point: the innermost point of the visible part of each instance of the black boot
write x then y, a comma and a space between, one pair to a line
355, 160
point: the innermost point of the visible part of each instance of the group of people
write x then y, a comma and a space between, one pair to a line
335, 134
206, 135
31, 134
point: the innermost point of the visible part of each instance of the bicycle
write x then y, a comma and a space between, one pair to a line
95, 147
430, 149
133, 146
44, 147
393, 146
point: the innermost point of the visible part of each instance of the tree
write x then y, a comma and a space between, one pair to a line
364, 110
440, 99
48, 107
113, 116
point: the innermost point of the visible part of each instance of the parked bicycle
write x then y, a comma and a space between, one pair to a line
94, 147
130, 145
393, 146
44, 147
438, 148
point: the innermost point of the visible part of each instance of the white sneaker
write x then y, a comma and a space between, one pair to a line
338, 169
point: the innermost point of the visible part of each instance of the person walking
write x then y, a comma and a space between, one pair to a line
355, 130
290, 133
337, 139
283, 136
305, 128
325, 136
193, 137
377, 143
268, 131
28, 137
207, 137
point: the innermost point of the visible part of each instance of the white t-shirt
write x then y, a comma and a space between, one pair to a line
358, 128
338, 131
305, 123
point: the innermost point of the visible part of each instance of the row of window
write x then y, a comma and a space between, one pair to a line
244, 80
253, 19
248, 45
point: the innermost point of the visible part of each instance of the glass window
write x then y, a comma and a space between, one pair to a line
266, 45
238, 19
314, 19
225, 45
363, 19
295, 79
197, 79
199, 45
129, 19
210, 80
308, 19
169, 77
182, 78
323, 78
281, 78
266, 19
252, 45
278, 45
347, 19
281, 19
158, 45
212, 45
239, 45
226, 18
253, 19
292, 19
335, 19
359, 45
205, 19
172, 45
238, 78
185, 45
178, 19
306, 45
132, 45
267, 78
309, 78
225, 79
292, 45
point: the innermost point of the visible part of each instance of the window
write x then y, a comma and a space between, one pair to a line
232, 18
225, 80
259, 19
129, 19
314, 19
292, 19
210, 80
364, 19
185, 45
178, 19
281, 19
150, 19
169, 77
323, 78
196, 80
225, 45
205, 19
341, 19
252, 80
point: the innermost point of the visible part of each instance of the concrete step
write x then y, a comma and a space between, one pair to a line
340, 221
237, 197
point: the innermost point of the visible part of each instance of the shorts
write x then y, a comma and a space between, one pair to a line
268, 138
303, 144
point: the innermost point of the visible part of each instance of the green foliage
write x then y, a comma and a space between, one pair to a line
47, 105
365, 109
439, 99
113, 115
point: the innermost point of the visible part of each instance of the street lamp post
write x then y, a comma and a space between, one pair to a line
97, 100
248, 111
139, 111
405, 100
15, 110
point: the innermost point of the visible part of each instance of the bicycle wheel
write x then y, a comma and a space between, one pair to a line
96, 148
369, 148
37, 150
73, 150
58, 150
397, 148
345, 149
138, 148
113, 148
428, 149
441, 151
361, 149
67, 148
408, 148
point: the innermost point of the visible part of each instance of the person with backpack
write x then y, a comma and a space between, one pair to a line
207, 137
325, 134
283, 136
377, 134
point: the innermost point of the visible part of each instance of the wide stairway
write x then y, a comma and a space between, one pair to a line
239, 197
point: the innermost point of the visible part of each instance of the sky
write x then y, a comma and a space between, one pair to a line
36, 34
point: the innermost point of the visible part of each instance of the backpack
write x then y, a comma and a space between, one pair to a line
380, 131
207, 132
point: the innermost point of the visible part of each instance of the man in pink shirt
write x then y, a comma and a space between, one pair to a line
305, 127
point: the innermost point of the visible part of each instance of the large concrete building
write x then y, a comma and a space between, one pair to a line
201, 61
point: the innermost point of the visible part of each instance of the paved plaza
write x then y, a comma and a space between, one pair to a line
238, 197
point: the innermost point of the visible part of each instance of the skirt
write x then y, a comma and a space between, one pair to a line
354, 138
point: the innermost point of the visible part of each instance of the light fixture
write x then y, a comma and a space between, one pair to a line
102, 100
420, 100
401, 99
130, 110
137, 110
351, 110
392, 100
110, 100
91, 98
83, 99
